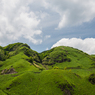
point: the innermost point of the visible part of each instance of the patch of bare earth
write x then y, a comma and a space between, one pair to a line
8, 71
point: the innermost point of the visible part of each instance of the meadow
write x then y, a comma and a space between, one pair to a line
60, 71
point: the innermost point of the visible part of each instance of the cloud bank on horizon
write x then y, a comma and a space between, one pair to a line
26, 19
87, 45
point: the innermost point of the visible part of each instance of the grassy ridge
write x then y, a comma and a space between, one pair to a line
59, 71
67, 57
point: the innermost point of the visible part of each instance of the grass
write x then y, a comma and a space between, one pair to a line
47, 83
77, 58
59, 71
2, 93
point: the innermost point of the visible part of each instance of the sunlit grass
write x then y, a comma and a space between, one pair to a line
51, 72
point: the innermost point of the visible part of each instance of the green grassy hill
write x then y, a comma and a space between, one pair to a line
59, 71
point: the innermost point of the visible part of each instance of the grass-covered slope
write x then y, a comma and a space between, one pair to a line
67, 57
59, 71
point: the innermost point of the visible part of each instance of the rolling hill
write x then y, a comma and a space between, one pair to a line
59, 71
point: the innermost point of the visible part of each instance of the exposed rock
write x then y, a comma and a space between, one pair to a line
8, 71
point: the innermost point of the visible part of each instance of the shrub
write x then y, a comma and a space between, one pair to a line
92, 78
56, 67
30, 60
66, 88
41, 69
65, 68
12, 47
27, 52
3, 55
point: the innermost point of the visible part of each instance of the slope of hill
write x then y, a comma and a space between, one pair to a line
59, 71
67, 57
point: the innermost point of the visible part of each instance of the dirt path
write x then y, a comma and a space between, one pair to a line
36, 65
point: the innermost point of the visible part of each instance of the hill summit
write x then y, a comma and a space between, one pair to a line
59, 71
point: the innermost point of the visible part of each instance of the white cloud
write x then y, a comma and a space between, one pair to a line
17, 20
87, 45
72, 12
47, 36
26, 18
47, 49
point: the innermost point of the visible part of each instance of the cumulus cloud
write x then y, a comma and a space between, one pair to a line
17, 20
72, 12
27, 18
87, 45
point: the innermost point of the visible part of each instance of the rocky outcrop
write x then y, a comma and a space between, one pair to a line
8, 71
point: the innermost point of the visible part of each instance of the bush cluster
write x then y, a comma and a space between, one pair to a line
92, 78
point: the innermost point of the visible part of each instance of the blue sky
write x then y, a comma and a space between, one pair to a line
44, 24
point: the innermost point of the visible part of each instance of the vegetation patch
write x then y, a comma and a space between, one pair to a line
77, 75
92, 78
93, 64
12, 47
56, 57
66, 88
14, 83
1, 64
3, 55
3, 93
78, 67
